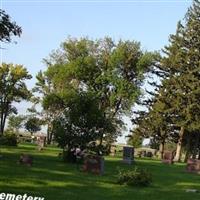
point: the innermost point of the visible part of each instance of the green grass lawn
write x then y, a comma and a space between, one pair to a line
55, 180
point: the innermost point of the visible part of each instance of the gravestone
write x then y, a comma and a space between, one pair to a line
144, 153
113, 150
94, 164
128, 154
149, 154
193, 165
168, 157
41, 142
26, 160
139, 154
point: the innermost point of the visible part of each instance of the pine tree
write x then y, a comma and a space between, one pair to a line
181, 65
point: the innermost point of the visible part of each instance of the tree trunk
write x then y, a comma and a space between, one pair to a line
50, 137
3, 121
101, 142
193, 155
187, 155
198, 148
162, 148
49, 134
4, 114
1, 124
199, 155
1, 130
188, 147
195, 147
177, 157
101, 139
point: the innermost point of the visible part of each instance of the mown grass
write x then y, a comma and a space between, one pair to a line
51, 178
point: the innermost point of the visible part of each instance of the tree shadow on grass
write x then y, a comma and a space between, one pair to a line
99, 192
55, 180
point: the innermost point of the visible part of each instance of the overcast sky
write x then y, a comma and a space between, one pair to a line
46, 24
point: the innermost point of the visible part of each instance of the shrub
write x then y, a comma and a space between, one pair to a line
135, 177
9, 139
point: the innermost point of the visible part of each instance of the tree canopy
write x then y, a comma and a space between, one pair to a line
33, 124
112, 73
8, 28
12, 89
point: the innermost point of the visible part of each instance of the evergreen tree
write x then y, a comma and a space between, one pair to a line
7, 27
181, 66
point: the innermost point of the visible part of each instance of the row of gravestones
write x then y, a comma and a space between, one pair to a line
140, 153
95, 163
193, 165
145, 153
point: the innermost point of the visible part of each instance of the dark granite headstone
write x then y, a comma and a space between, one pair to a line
149, 154
128, 154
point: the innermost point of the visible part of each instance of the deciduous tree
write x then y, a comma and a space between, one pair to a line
33, 124
12, 89
112, 72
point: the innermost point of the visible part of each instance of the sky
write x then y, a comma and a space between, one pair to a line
47, 23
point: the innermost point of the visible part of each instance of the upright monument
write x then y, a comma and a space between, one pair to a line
128, 154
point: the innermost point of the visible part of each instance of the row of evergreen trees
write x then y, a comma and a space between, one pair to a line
174, 107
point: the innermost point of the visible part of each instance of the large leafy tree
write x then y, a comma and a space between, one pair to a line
8, 28
81, 122
12, 89
112, 72
46, 98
